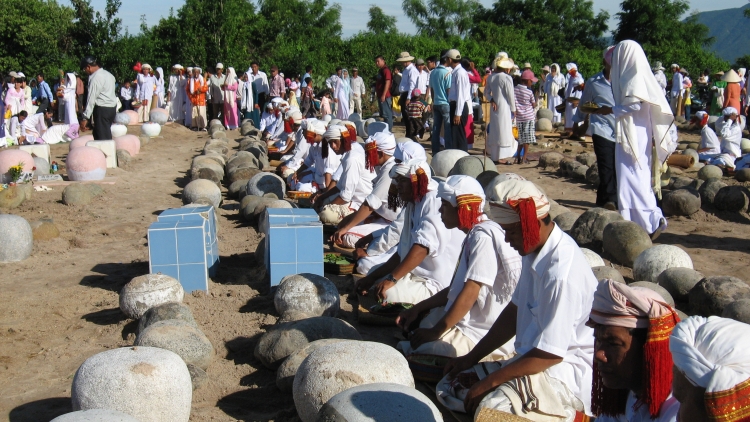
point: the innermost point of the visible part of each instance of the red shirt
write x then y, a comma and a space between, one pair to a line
384, 75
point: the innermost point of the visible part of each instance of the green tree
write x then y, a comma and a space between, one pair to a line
442, 18
379, 22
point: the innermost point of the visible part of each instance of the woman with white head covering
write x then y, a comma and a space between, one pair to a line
175, 100
159, 88
552, 86
69, 95
461, 314
574, 89
229, 89
500, 93
341, 94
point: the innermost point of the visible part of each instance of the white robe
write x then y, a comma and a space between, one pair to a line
176, 98
69, 94
342, 95
570, 111
500, 140
551, 87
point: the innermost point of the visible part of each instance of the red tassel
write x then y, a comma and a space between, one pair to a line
419, 184
529, 223
704, 121
606, 401
371, 155
288, 126
469, 210
657, 362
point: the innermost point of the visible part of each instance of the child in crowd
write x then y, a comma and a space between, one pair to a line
325, 103
415, 109
525, 115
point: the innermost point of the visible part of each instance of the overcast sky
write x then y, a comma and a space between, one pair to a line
354, 15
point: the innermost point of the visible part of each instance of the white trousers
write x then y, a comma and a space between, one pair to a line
636, 199
408, 289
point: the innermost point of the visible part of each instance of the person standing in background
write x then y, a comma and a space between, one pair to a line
45, 94
383, 83
216, 94
260, 80
358, 91
101, 104
144, 92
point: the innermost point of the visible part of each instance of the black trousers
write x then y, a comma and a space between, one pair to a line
262, 100
404, 114
103, 118
605, 160
458, 132
43, 104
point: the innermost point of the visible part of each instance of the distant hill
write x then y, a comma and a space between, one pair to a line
731, 29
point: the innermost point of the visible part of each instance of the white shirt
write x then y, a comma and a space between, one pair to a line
378, 198
15, 128
34, 125
425, 227
409, 80
554, 297
383, 240
301, 148
146, 86
460, 89
423, 80
633, 413
676, 84
126, 93
709, 140
261, 82
661, 79
358, 86
320, 165
731, 138
572, 83
498, 278
355, 182
268, 122
332, 80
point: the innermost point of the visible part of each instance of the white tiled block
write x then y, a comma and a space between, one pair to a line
109, 150
38, 150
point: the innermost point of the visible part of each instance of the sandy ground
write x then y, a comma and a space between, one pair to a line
60, 306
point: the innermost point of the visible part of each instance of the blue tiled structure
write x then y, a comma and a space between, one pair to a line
294, 243
182, 243
290, 216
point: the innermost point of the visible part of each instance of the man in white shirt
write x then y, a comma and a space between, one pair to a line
331, 84
144, 92
710, 147
316, 172
261, 84
215, 94
459, 98
269, 121
551, 374
409, 78
291, 162
15, 125
676, 91
660, 77
358, 91
731, 139
101, 103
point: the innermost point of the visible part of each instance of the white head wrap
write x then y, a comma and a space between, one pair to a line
385, 141
295, 115
700, 115
334, 132
408, 151
490, 189
327, 118
508, 192
728, 111
460, 185
409, 168
334, 122
315, 125
571, 66
231, 75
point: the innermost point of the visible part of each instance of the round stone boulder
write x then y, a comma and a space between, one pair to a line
607, 273
588, 229
198, 376
235, 187
44, 230
286, 372
654, 260
123, 158
545, 113
16, 238
472, 166
742, 175
444, 161
592, 258
551, 160
657, 288
308, 293
159, 116
202, 189
580, 172
337, 367
691, 152
118, 130
709, 171
146, 291
566, 220
681, 202
586, 158
284, 339
13, 196
148, 383
681, 182
86, 163
678, 282
365, 403
42, 166
124, 119
709, 189
739, 310
150, 129
264, 183
243, 173
592, 175
165, 312
250, 203
486, 177
712, 294
130, 143
745, 145
77, 194
544, 124
95, 415
732, 198
180, 337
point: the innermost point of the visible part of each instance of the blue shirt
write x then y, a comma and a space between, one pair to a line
304, 84
440, 82
44, 91
598, 90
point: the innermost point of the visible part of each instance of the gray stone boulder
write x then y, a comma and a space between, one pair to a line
286, 372
365, 403
678, 282
95, 415
486, 177
691, 152
235, 187
42, 166
624, 241
124, 159
732, 198
681, 182
444, 161
545, 113
544, 124
588, 229
144, 292
579, 172
207, 174
657, 288
712, 294
472, 166
180, 337
12, 197
592, 175
742, 175
604, 272
586, 158
567, 167
16, 238
284, 339
709, 172
265, 183
709, 189
77, 194
164, 312
653, 261
198, 376
148, 383
249, 203
243, 174
739, 310
242, 159
592, 258
551, 160
307, 293
681, 202
202, 189
337, 367
566, 220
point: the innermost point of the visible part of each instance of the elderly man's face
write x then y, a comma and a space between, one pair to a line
692, 405
619, 357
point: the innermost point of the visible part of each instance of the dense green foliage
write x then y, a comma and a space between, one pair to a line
42, 35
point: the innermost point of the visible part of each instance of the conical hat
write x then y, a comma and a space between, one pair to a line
731, 76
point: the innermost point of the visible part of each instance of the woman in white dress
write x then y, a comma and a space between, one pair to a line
573, 90
552, 86
159, 88
69, 95
176, 94
341, 94
499, 92
28, 103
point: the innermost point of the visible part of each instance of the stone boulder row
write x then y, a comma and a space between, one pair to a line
202, 189
657, 288
709, 172
243, 173
308, 293
264, 183
709, 189
654, 260
739, 310
164, 312
566, 220
624, 241
236, 187
604, 272
544, 124
732, 198
681, 202
444, 161
589, 227
678, 282
472, 166
365, 403
286, 372
592, 258
284, 339
146, 291
148, 383
180, 337
95, 415
16, 238
592, 176
586, 158
551, 160
486, 177
712, 294
337, 367
742, 175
